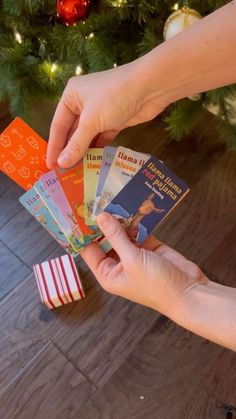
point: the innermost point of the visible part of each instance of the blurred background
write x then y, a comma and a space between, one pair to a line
45, 42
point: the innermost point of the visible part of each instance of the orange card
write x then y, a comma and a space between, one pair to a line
72, 182
22, 154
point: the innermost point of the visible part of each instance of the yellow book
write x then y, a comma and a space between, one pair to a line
92, 166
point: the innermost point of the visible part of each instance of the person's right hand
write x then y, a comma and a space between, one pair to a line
97, 106
153, 274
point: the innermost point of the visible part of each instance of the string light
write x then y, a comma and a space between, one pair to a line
176, 6
50, 68
91, 35
54, 67
18, 37
119, 3
78, 70
115, 65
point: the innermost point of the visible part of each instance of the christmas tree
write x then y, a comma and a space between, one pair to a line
43, 43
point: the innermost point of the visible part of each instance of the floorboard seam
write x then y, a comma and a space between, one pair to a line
75, 366
6, 222
13, 253
26, 366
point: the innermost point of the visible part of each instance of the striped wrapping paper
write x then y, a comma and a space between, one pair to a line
58, 281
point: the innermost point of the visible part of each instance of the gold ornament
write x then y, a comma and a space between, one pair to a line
180, 20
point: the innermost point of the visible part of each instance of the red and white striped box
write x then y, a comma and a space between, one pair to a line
58, 281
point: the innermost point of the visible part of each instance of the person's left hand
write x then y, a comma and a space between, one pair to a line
153, 275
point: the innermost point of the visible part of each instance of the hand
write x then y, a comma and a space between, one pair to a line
153, 275
97, 106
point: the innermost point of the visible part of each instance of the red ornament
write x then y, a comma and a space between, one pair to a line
71, 11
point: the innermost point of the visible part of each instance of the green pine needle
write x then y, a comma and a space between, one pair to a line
183, 118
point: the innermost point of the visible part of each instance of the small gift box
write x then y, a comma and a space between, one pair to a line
58, 281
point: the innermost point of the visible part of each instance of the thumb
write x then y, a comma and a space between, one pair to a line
116, 236
77, 145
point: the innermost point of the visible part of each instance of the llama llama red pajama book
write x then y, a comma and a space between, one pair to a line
147, 199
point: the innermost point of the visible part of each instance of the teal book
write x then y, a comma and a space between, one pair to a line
32, 202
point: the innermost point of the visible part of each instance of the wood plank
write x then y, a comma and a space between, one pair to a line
99, 338
49, 386
205, 407
9, 194
220, 381
204, 219
25, 327
12, 272
221, 265
24, 236
160, 379
199, 406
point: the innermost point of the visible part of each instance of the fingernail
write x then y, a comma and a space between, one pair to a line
64, 159
102, 219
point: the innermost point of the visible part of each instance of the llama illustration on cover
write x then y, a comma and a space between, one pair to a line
72, 183
125, 165
107, 159
147, 199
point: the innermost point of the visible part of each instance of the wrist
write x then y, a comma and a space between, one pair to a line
174, 289
209, 310
148, 79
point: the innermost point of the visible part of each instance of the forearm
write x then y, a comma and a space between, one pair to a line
209, 310
200, 58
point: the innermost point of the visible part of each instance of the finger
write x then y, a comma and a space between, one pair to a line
105, 138
93, 255
106, 269
62, 122
77, 144
116, 236
73, 129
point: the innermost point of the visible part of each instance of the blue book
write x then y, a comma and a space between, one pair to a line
107, 158
147, 199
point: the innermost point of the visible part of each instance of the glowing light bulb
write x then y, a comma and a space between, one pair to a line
54, 67
78, 70
18, 37
119, 3
91, 35
115, 65
176, 6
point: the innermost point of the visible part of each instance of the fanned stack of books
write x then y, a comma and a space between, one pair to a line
136, 188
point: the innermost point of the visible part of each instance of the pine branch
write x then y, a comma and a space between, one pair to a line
151, 37
182, 119
226, 132
23, 6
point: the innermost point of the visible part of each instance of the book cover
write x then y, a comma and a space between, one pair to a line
72, 183
55, 199
32, 202
22, 154
124, 166
147, 199
107, 158
92, 165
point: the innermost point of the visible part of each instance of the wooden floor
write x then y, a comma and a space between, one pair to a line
104, 357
